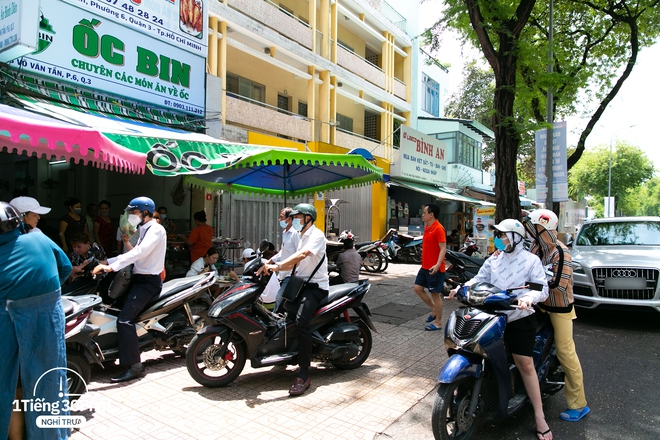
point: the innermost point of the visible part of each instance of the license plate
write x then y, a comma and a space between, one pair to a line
625, 283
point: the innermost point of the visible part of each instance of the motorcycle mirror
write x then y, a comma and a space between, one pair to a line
535, 286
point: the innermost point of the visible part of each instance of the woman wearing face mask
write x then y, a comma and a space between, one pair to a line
72, 223
103, 229
513, 266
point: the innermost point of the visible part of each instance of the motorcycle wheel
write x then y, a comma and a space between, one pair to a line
365, 344
384, 265
77, 383
451, 419
207, 367
416, 255
372, 261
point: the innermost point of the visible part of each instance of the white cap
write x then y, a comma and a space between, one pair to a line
28, 204
249, 253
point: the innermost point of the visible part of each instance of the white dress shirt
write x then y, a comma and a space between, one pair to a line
314, 241
148, 255
514, 269
290, 240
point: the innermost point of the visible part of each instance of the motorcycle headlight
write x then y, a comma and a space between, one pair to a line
221, 302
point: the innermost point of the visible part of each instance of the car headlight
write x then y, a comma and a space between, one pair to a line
577, 268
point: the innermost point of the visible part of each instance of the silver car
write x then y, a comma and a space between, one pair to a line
616, 263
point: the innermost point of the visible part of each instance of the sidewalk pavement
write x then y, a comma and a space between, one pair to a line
363, 403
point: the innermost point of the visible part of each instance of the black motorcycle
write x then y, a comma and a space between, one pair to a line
241, 329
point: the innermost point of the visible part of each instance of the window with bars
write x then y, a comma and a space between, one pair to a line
302, 109
283, 102
370, 125
240, 86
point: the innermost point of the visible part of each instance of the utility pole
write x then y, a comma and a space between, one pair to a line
550, 119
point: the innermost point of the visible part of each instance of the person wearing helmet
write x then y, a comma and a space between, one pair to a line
514, 266
309, 260
148, 258
348, 262
31, 211
541, 228
31, 324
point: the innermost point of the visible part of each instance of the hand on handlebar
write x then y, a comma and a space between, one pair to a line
101, 268
525, 304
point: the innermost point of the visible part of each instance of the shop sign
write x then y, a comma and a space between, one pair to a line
19, 21
421, 158
559, 173
181, 23
79, 47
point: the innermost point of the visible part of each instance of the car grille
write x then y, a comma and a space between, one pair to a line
650, 275
465, 327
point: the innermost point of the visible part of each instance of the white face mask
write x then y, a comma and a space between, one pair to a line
134, 220
297, 224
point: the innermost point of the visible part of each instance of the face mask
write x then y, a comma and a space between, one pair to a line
282, 224
134, 220
163, 216
104, 214
297, 224
77, 210
499, 244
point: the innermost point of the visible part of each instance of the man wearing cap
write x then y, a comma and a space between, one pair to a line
247, 255
31, 211
309, 261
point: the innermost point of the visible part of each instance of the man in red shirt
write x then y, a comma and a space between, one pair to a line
432, 273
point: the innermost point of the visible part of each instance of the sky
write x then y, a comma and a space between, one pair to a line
636, 103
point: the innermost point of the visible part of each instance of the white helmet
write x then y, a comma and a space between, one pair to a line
249, 253
511, 225
545, 218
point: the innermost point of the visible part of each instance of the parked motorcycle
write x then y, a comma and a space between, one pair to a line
169, 321
241, 329
374, 258
403, 247
81, 349
479, 381
470, 248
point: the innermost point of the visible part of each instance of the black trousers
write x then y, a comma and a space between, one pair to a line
311, 297
144, 288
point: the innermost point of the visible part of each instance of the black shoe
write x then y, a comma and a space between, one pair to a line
132, 373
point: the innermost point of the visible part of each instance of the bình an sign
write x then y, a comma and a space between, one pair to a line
181, 23
80, 47
19, 22
422, 158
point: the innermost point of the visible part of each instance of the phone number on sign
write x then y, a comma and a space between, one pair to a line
187, 108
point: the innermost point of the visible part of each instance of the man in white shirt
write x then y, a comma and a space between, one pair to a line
148, 259
309, 255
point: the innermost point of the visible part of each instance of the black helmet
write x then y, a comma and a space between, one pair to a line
143, 204
305, 209
10, 218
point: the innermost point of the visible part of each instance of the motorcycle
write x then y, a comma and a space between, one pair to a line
373, 256
169, 321
241, 329
470, 248
403, 247
479, 381
79, 334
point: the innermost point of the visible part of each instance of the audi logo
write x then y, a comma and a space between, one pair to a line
624, 273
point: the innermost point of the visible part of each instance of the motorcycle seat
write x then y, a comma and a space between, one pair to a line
364, 243
67, 305
337, 291
175, 286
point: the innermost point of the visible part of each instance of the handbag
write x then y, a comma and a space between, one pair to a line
293, 285
121, 283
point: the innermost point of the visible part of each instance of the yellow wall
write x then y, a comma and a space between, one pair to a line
300, 9
349, 38
273, 141
348, 107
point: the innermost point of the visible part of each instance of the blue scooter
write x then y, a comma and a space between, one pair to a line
403, 247
480, 381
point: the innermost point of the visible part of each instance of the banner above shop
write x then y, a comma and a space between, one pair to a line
19, 24
422, 158
180, 23
79, 47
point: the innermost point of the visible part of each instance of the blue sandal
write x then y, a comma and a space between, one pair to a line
432, 327
431, 318
574, 415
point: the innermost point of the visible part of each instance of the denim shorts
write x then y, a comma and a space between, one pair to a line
432, 282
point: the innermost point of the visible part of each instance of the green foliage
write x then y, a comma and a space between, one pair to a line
630, 169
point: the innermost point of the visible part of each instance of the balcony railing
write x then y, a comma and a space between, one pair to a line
399, 88
254, 114
278, 19
361, 67
392, 15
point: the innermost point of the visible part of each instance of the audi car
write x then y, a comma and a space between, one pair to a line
616, 262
